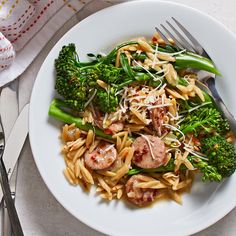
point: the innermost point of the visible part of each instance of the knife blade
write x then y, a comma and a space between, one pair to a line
15, 142
9, 107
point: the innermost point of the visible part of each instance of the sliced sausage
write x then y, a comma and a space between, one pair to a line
149, 152
139, 196
102, 157
157, 115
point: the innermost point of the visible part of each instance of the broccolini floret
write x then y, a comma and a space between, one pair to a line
221, 154
204, 120
77, 81
107, 101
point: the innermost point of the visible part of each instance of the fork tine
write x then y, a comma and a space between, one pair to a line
197, 45
173, 37
186, 43
163, 36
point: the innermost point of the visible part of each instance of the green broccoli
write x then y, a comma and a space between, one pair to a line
107, 101
74, 81
111, 74
220, 153
204, 120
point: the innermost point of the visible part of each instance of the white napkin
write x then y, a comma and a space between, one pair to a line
27, 27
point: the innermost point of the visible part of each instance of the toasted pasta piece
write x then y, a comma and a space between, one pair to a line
119, 193
182, 159
102, 84
155, 184
185, 96
94, 145
140, 116
127, 53
120, 134
145, 46
68, 176
106, 196
104, 185
174, 94
128, 143
89, 139
106, 173
183, 184
173, 108
120, 173
192, 94
85, 173
77, 133
172, 179
70, 165
70, 154
117, 63
123, 153
158, 39
134, 127
64, 149
64, 134
170, 74
117, 187
125, 168
118, 143
74, 145
199, 93
124, 140
182, 88
165, 57
79, 153
77, 170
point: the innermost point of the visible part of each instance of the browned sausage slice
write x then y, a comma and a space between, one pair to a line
157, 115
139, 196
102, 157
149, 152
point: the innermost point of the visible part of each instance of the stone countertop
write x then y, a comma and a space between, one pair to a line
40, 213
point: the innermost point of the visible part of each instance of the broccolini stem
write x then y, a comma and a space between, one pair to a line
191, 60
160, 169
56, 112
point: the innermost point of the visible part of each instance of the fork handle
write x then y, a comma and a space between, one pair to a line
15, 222
219, 102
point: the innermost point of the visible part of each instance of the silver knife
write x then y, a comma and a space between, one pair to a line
16, 141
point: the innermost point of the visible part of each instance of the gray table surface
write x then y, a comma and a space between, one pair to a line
40, 213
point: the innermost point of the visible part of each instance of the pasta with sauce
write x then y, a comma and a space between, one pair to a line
139, 130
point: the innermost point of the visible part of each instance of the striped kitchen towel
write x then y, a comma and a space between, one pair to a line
25, 28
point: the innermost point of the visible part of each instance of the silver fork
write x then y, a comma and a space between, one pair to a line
184, 40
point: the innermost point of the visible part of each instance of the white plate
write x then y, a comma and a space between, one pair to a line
207, 203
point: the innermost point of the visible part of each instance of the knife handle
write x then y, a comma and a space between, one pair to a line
6, 225
13, 216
